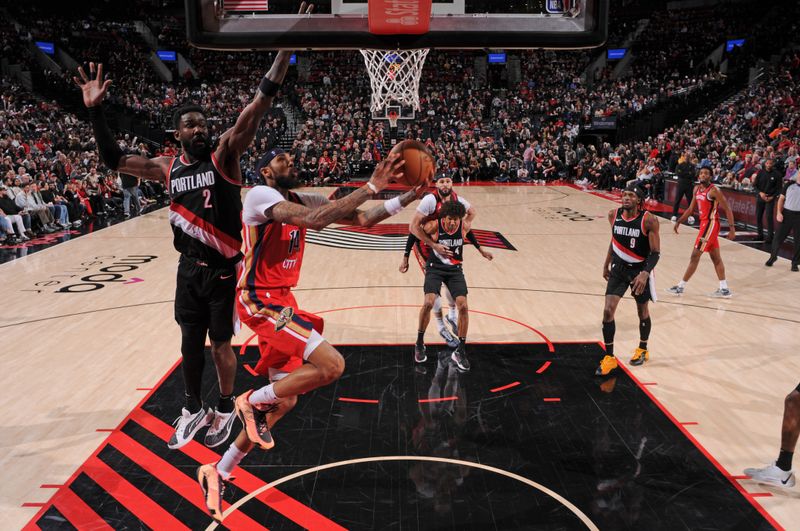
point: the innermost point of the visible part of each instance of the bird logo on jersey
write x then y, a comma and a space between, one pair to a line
284, 318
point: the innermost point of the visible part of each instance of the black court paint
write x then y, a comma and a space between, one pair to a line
603, 445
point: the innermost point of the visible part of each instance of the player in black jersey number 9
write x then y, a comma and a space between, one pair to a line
632, 255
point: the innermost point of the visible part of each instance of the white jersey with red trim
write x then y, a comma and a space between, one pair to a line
629, 239
431, 204
205, 211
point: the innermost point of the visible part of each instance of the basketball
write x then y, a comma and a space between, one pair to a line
419, 167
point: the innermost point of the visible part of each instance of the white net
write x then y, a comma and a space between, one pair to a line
394, 76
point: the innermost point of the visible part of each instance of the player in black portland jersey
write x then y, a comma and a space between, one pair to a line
445, 238
632, 256
205, 214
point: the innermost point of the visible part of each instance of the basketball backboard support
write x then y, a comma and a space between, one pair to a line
345, 24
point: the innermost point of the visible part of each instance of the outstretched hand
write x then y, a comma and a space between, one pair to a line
388, 170
94, 90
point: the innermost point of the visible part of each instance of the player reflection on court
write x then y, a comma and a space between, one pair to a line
438, 433
619, 493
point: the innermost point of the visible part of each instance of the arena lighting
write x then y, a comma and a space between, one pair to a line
167, 55
497, 58
616, 53
47, 47
733, 43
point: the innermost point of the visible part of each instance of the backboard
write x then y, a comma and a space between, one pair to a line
403, 24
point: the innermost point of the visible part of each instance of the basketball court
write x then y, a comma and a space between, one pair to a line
528, 438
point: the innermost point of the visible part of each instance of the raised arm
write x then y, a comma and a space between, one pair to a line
235, 140
367, 218
319, 218
94, 90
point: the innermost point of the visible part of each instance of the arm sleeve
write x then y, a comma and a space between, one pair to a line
427, 205
257, 202
106, 145
473, 240
410, 244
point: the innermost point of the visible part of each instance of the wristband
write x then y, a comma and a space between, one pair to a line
372, 187
393, 206
651, 261
268, 88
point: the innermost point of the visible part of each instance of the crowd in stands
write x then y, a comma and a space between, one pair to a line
524, 133
50, 176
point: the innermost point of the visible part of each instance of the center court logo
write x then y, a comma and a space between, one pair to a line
388, 237
564, 213
101, 270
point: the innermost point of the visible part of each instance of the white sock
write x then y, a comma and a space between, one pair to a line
265, 395
723, 284
440, 321
682, 284
453, 315
230, 460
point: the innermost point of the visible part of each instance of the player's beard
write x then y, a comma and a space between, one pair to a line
445, 193
198, 152
288, 181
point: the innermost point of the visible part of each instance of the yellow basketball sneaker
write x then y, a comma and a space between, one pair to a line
607, 364
640, 356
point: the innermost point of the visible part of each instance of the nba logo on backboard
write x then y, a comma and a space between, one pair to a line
557, 7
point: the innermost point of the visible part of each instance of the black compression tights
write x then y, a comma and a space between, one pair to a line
193, 341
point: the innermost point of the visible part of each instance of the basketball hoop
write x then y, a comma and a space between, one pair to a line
393, 117
394, 76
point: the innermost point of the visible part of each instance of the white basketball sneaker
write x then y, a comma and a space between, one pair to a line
772, 475
187, 426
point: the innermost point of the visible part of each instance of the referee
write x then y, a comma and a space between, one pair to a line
686, 177
789, 218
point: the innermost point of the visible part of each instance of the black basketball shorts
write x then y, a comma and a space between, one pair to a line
621, 279
204, 298
453, 278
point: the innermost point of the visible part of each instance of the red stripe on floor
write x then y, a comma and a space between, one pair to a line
543, 368
552, 400
503, 388
102, 445
703, 450
688, 423
649, 383
444, 399
145, 509
104, 430
174, 479
48, 486
77, 512
34, 504
740, 477
289, 507
144, 388
760, 494
358, 400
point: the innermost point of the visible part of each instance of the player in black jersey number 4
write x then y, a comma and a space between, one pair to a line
204, 185
445, 237
632, 255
